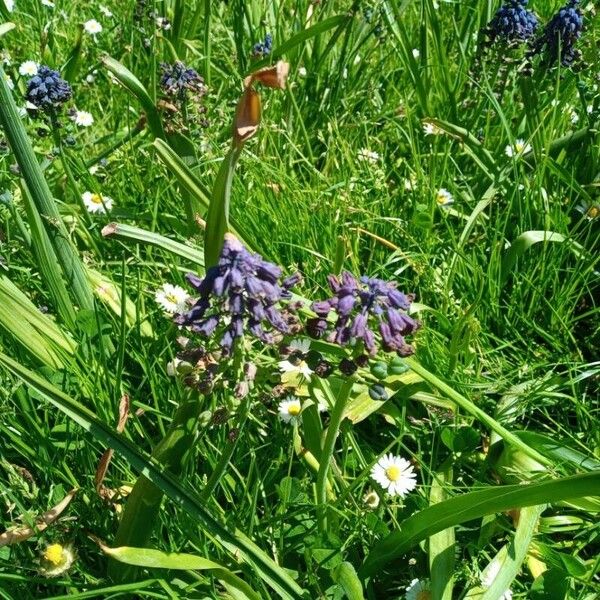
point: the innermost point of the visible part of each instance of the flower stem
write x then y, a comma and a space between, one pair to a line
328, 448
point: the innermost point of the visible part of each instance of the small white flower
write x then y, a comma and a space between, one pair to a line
92, 27
302, 72
368, 155
289, 410
105, 11
418, 590
488, 577
431, 129
83, 118
56, 559
10, 5
298, 367
172, 367
48, 3
410, 183
589, 109
29, 68
357, 59
9, 82
573, 116
371, 499
415, 53
172, 298
96, 203
444, 197
394, 474
519, 148
163, 23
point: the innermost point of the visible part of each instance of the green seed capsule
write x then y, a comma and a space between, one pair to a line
397, 366
379, 370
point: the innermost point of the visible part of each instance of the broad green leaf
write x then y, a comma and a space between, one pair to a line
441, 548
524, 242
501, 571
473, 505
156, 559
134, 86
234, 541
137, 234
345, 575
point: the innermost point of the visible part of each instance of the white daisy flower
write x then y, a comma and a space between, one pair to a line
395, 475
172, 298
105, 11
96, 203
371, 499
368, 155
519, 148
56, 559
418, 590
489, 576
444, 197
289, 410
10, 5
415, 52
48, 3
83, 118
92, 27
29, 68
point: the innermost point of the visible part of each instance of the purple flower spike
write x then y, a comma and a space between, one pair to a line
357, 305
241, 293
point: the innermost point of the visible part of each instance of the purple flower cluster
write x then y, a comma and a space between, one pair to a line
177, 79
356, 304
513, 23
561, 35
47, 90
261, 49
241, 293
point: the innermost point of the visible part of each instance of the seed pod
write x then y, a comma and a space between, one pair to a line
378, 392
348, 367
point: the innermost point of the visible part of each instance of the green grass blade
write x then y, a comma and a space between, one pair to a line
136, 88
234, 541
70, 262
156, 559
137, 234
474, 505
345, 575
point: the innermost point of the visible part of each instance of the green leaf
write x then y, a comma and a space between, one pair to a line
524, 242
6, 27
156, 559
345, 575
130, 232
473, 505
73, 63
135, 87
217, 219
550, 585
234, 541
508, 560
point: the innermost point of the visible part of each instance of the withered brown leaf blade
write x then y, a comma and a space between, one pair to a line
247, 117
273, 77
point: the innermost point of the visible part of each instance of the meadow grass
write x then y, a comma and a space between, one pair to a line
341, 174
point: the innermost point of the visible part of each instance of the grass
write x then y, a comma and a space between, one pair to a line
505, 281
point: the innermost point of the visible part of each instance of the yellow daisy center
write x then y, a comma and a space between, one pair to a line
294, 409
393, 473
96, 198
519, 147
593, 212
171, 298
442, 198
54, 554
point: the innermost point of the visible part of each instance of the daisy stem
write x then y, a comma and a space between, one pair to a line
337, 415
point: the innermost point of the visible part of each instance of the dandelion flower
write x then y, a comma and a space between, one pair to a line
371, 499
96, 203
368, 155
519, 148
29, 68
418, 590
92, 27
83, 118
56, 559
289, 410
444, 197
172, 298
395, 475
